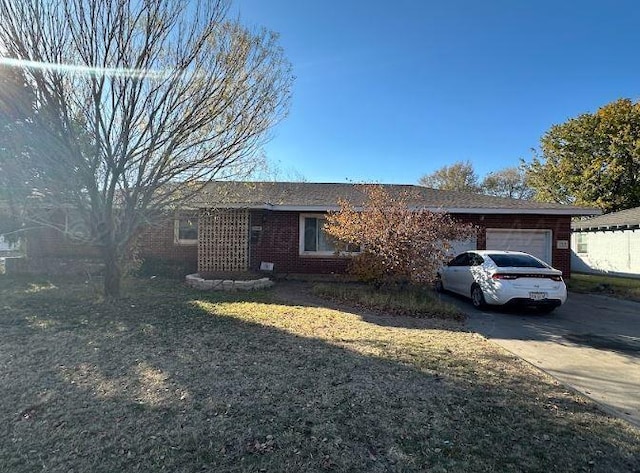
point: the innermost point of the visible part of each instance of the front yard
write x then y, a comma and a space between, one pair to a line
176, 380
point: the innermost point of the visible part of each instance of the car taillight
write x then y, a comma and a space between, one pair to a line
533, 276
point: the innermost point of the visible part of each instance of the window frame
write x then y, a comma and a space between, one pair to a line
72, 221
582, 243
461, 258
301, 240
176, 230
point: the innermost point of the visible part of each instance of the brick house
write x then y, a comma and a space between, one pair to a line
236, 226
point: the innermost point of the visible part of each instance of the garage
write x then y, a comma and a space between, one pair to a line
534, 242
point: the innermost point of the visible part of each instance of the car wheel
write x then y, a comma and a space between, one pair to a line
438, 285
477, 297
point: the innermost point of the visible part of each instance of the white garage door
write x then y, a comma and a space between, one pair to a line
459, 246
534, 242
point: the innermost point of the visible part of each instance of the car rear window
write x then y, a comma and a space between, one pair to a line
517, 261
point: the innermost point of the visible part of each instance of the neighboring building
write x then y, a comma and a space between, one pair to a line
609, 243
7, 247
236, 226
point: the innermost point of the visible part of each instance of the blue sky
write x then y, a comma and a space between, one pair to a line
390, 91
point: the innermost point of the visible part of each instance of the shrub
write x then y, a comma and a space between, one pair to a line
401, 243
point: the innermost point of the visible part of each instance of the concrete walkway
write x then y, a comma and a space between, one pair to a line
592, 344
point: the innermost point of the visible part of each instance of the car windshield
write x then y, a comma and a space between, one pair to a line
516, 261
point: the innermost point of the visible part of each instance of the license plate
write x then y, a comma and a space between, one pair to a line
538, 296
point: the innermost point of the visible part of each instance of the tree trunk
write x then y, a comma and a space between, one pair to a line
112, 273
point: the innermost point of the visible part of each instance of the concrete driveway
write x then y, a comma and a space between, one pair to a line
592, 343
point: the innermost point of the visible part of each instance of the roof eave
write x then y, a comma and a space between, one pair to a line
572, 211
605, 228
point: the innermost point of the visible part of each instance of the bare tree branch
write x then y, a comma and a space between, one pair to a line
140, 103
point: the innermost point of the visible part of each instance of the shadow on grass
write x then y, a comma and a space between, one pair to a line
297, 293
157, 382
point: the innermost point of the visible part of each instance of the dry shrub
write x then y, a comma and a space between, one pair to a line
401, 240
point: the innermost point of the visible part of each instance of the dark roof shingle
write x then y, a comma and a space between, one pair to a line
326, 196
611, 221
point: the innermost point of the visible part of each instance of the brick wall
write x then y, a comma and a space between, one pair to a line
278, 242
45, 242
157, 242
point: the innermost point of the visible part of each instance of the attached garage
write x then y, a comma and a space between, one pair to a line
534, 242
273, 232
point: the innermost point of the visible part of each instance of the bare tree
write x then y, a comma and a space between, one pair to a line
141, 103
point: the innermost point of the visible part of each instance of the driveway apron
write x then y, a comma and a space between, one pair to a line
592, 344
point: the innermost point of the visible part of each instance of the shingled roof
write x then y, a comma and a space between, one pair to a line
622, 220
310, 196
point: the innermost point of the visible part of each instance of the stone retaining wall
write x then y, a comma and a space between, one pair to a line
195, 281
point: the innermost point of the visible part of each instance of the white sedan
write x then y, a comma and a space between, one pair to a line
503, 277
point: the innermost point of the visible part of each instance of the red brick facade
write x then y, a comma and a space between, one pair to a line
274, 238
45, 242
158, 242
278, 242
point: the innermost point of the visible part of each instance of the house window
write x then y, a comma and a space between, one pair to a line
8, 245
186, 230
581, 240
314, 240
75, 226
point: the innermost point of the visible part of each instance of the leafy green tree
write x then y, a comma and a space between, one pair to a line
138, 104
459, 176
593, 159
508, 182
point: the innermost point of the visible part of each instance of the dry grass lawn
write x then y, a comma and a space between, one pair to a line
624, 288
175, 380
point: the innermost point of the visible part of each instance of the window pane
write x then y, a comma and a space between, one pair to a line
582, 243
325, 243
76, 226
188, 229
476, 259
518, 261
460, 260
310, 234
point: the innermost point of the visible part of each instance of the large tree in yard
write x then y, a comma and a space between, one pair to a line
400, 242
509, 182
593, 159
459, 176
137, 104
